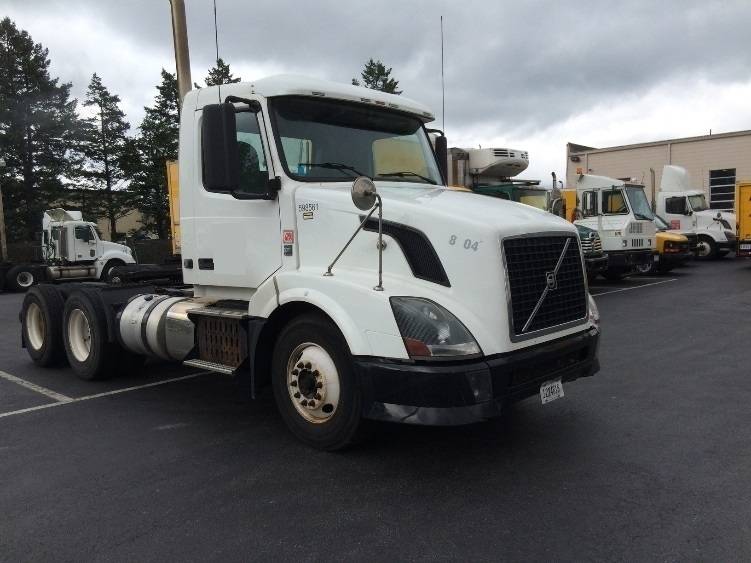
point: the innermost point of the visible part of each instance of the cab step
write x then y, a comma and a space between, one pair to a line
211, 366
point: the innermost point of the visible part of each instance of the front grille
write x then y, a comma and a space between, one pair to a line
637, 242
530, 264
591, 245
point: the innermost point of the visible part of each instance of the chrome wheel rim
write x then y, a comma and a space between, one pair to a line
703, 249
313, 383
35, 326
24, 279
79, 335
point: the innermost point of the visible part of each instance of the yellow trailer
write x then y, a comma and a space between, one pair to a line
743, 218
173, 189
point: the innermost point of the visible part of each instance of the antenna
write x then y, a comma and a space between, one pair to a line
216, 44
443, 87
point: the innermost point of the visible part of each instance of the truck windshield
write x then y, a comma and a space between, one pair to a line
639, 204
334, 141
661, 223
698, 202
529, 196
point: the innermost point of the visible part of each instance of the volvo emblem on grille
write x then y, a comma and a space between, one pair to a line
551, 281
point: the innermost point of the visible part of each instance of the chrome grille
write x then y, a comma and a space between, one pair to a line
546, 283
592, 244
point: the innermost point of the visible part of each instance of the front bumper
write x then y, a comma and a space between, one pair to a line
675, 258
727, 244
744, 252
596, 263
627, 259
449, 394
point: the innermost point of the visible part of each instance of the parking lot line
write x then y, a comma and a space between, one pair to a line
63, 400
60, 398
634, 287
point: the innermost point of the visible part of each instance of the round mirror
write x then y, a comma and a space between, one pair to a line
363, 193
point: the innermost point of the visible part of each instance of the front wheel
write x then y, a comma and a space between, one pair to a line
646, 268
21, 278
706, 248
315, 385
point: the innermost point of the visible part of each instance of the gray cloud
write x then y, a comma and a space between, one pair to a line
516, 66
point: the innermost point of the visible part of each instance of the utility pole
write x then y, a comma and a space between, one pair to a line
182, 55
3, 243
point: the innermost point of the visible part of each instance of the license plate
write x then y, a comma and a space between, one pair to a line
551, 390
746, 247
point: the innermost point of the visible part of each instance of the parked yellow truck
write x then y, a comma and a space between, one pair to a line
743, 218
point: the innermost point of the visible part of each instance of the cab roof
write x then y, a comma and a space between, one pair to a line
294, 85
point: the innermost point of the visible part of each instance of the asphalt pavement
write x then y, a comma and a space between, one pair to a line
648, 460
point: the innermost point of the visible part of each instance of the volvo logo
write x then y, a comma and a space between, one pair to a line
551, 282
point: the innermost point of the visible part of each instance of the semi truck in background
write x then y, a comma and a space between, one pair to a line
686, 210
327, 259
743, 215
69, 249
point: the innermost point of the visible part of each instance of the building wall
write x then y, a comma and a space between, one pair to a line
697, 156
131, 221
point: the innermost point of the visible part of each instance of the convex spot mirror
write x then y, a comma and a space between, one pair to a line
363, 193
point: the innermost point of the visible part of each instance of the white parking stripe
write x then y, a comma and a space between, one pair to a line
634, 287
34, 387
69, 400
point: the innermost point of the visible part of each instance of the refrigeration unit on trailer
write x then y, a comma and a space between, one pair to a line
686, 210
328, 260
69, 249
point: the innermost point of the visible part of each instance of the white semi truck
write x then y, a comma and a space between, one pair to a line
686, 210
70, 249
328, 259
622, 216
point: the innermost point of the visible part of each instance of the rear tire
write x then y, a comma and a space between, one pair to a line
21, 278
89, 352
706, 249
41, 326
315, 385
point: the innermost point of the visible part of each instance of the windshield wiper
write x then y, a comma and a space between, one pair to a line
406, 173
333, 166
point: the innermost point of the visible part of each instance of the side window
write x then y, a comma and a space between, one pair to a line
589, 204
613, 202
675, 205
254, 174
83, 232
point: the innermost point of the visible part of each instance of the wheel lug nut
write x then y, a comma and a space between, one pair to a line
311, 403
295, 372
293, 384
318, 396
319, 385
301, 365
308, 365
304, 403
296, 395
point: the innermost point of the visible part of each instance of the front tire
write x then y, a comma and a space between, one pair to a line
706, 248
41, 326
315, 385
646, 268
108, 275
21, 278
89, 352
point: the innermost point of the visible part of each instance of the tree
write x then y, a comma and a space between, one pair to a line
37, 131
376, 76
156, 143
104, 145
219, 74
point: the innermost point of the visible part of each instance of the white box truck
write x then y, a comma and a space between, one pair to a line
442, 308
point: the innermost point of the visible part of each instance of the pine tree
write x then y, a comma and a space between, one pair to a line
104, 145
219, 74
155, 144
37, 128
376, 76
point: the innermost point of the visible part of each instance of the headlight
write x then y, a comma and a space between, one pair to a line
594, 312
430, 331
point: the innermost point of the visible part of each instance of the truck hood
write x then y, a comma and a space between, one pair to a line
436, 208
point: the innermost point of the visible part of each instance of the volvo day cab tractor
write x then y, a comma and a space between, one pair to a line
743, 209
686, 210
328, 260
621, 215
70, 249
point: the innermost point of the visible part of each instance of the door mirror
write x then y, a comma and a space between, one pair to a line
219, 148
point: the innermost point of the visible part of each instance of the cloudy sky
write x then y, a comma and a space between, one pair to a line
530, 74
